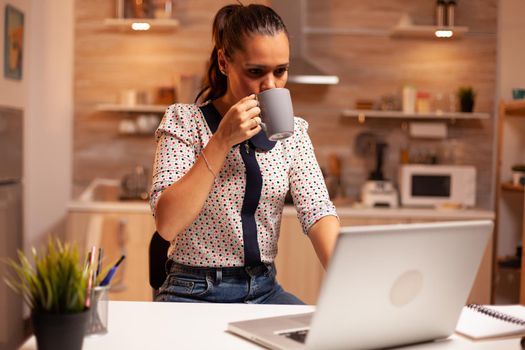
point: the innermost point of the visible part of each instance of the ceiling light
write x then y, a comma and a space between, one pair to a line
140, 26
444, 33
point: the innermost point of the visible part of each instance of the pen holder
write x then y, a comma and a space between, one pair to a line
98, 312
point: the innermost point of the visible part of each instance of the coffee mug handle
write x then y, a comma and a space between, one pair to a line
263, 126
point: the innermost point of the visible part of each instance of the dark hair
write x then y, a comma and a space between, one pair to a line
231, 24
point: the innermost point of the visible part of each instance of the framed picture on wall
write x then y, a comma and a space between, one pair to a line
13, 42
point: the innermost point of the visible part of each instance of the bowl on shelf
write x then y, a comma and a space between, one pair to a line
518, 93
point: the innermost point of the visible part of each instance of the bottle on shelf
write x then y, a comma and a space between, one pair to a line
440, 13
451, 12
439, 105
409, 99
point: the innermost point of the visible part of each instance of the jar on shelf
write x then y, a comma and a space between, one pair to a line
422, 102
452, 103
163, 8
440, 104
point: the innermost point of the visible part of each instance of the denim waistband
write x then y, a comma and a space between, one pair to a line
237, 271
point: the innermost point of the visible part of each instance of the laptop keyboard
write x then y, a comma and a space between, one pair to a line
298, 336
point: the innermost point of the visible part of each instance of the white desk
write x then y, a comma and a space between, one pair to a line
148, 325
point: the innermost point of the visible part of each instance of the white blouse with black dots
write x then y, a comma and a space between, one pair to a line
215, 238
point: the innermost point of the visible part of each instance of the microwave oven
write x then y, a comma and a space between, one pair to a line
433, 185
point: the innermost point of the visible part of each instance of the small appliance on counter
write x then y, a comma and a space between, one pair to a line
134, 186
378, 191
425, 185
376, 194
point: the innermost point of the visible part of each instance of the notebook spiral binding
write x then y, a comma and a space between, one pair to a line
496, 314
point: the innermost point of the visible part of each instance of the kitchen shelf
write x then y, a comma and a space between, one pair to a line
508, 186
515, 108
420, 31
155, 23
362, 114
114, 107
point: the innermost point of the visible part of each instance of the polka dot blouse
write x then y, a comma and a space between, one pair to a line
218, 236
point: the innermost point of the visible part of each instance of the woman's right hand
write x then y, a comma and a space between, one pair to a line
241, 122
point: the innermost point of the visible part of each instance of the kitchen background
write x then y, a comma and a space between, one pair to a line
73, 62
349, 39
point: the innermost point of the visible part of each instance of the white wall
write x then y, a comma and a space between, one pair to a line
50, 115
511, 74
46, 95
511, 46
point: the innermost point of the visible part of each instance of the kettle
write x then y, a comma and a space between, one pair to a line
135, 185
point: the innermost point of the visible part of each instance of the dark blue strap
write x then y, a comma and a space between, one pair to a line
252, 194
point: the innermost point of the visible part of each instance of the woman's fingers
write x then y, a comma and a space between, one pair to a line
253, 132
251, 123
241, 121
246, 105
252, 112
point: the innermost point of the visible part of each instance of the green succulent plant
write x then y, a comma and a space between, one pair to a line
466, 92
467, 97
519, 168
56, 282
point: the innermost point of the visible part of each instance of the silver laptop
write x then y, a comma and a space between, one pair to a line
386, 286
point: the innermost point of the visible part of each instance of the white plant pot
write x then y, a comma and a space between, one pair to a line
516, 177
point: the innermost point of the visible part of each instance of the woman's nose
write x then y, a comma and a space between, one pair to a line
268, 83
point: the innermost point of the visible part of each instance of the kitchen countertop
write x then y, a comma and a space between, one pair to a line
90, 201
102, 196
390, 213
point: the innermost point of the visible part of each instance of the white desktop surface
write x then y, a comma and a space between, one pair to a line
151, 325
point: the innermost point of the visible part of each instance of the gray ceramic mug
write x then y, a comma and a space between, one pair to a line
276, 113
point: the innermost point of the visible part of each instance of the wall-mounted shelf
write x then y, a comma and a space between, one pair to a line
362, 114
114, 107
508, 186
515, 108
419, 31
156, 24
407, 29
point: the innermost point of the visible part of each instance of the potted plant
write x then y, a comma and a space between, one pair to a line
518, 174
466, 96
54, 286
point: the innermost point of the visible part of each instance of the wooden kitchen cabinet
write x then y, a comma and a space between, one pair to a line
300, 273
510, 198
118, 233
298, 268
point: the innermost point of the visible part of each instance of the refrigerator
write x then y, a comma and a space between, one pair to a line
11, 234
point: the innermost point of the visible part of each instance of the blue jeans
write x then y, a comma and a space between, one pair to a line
252, 285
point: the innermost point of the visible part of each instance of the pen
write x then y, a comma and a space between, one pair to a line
99, 262
111, 272
91, 256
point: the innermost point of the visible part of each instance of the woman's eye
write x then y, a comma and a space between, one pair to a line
255, 71
280, 72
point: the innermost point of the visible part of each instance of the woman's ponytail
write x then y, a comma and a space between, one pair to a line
215, 83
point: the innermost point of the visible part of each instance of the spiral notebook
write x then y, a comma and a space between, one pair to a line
491, 321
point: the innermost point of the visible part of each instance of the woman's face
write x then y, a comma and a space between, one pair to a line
262, 65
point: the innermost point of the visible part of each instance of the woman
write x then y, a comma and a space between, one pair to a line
219, 184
